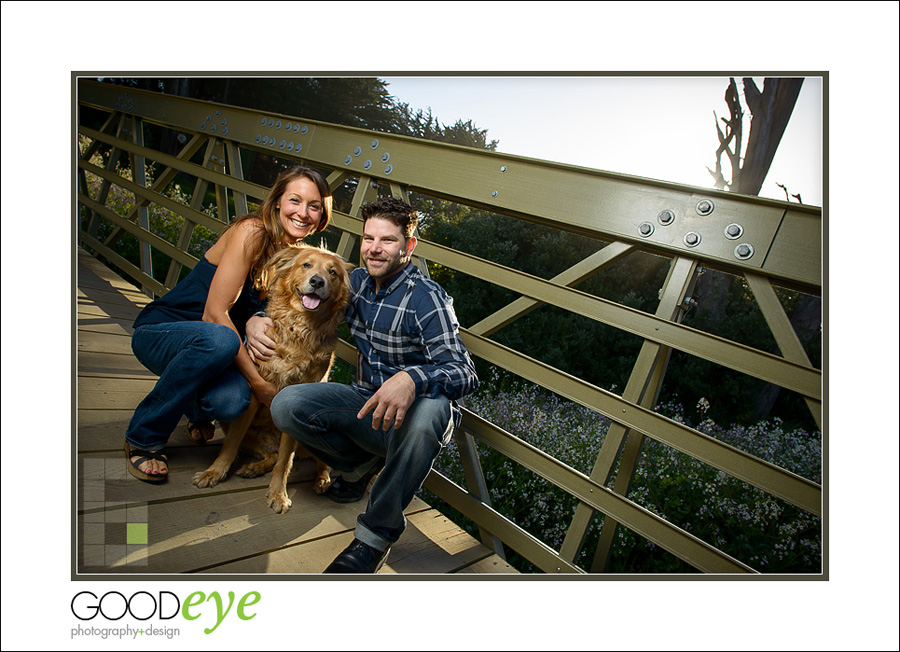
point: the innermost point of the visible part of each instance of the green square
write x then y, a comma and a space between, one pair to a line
136, 533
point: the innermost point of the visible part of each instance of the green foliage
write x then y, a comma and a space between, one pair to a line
162, 221
762, 531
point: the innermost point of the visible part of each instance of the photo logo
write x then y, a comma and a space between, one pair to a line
165, 605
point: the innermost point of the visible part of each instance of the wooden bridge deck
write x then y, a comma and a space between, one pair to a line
125, 526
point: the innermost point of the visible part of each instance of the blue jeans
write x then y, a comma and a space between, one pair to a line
322, 417
197, 378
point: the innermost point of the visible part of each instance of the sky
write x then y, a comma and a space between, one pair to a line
856, 43
659, 127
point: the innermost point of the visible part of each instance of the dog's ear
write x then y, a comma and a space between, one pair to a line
279, 264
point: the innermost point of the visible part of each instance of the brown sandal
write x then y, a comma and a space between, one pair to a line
201, 432
134, 467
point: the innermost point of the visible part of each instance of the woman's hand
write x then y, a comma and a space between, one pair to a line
264, 392
259, 345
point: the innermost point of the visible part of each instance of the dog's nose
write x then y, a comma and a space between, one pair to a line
316, 282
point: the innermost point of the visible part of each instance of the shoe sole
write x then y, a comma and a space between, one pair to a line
137, 473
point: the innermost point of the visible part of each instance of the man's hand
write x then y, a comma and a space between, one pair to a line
259, 345
390, 402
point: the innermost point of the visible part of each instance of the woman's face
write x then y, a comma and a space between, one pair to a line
300, 209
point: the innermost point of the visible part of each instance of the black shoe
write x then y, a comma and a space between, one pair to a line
345, 491
358, 558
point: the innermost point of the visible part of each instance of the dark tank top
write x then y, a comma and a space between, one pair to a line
187, 300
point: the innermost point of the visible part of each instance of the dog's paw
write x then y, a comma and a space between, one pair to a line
208, 478
251, 470
322, 482
278, 501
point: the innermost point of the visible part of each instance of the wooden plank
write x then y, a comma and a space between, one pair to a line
102, 296
103, 343
105, 324
104, 430
125, 312
185, 459
111, 364
112, 393
414, 553
209, 528
91, 272
109, 385
432, 543
99, 430
490, 565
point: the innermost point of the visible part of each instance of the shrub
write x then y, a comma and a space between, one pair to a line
760, 530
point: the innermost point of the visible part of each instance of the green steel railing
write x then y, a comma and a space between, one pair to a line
769, 243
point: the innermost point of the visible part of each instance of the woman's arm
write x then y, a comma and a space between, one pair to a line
233, 265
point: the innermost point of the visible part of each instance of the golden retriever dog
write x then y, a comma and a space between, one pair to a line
308, 291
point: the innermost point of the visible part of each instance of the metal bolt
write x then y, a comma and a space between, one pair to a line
287, 126
503, 168
203, 125
388, 168
357, 151
494, 193
297, 127
258, 138
225, 131
348, 160
271, 122
692, 239
666, 217
304, 129
224, 121
705, 207
290, 147
299, 146
218, 112
262, 121
278, 124
375, 144
212, 128
209, 118
645, 229
733, 231
265, 140
367, 164
282, 143
743, 251
385, 157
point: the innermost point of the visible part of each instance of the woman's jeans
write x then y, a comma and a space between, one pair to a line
322, 417
197, 378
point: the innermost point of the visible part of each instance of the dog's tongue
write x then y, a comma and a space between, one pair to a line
311, 301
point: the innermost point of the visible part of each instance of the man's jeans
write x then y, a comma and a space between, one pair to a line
197, 378
322, 417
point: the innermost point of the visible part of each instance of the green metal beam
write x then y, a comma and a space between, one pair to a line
783, 240
804, 380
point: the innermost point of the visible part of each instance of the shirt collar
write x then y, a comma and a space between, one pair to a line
395, 282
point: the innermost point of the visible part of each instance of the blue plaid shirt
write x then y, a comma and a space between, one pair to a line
408, 326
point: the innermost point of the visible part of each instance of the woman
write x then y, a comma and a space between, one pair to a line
191, 337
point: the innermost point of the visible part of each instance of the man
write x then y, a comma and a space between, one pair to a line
398, 415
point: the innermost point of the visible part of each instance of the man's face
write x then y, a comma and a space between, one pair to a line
384, 251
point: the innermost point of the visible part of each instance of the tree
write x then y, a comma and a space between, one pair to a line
770, 110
